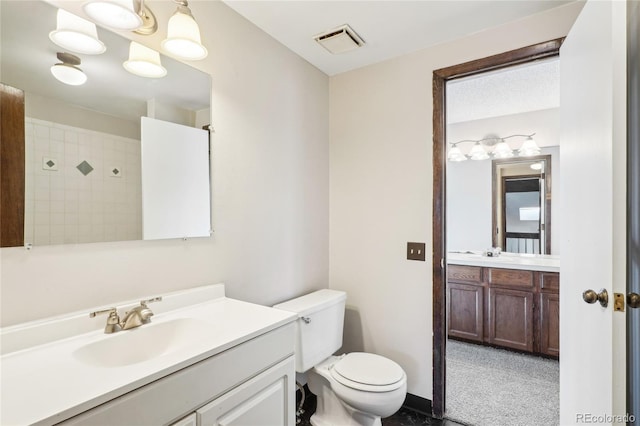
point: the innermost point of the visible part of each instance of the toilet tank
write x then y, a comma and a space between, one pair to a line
318, 327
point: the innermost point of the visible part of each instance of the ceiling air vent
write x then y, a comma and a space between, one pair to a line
340, 40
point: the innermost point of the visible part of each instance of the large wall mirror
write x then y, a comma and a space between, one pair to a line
85, 147
522, 204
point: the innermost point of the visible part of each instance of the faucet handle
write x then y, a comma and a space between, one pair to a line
154, 299
110, 311
113, 321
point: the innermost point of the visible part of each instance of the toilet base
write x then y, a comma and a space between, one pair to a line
331, 411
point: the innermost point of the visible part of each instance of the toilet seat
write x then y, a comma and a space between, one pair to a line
368, 372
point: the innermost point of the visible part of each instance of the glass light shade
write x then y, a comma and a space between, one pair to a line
529, 148
69, 74
455, 154
183, 38
76, 34
118, 14
144, 62
536, 166
478, 152
502, 150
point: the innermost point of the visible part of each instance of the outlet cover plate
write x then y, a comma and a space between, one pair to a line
415, 251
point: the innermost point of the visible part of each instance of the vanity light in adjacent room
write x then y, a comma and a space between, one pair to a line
502, 150
455, 154
183, 35
529, 148
130, 15
76, 34
144, 62
68, 71
478, 152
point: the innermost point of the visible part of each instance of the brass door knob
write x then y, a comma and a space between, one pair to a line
633, 300
591, 296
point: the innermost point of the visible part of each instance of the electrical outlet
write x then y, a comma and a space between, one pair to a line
415, 251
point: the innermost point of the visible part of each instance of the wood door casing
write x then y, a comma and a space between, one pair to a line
438, 225
12, 166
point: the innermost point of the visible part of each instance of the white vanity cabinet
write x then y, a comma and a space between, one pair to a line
262, 400
252, 383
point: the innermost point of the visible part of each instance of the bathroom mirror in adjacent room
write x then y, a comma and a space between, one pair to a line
522, 204
83, 174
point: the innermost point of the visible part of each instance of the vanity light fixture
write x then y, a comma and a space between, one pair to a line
144, 62
130, 15
76, 34
183, 34
68, 71
499, 148
529, 148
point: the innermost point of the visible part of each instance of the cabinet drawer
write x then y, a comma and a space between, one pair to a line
550, 282
510, 277
464, 273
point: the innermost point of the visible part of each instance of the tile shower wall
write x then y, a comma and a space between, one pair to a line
82, 186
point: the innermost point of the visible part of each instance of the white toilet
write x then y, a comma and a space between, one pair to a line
352, 389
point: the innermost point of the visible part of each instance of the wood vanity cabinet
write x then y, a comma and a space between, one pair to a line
465, 303
510, 308
549, 313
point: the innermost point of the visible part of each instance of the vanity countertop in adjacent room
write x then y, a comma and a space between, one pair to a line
530, 262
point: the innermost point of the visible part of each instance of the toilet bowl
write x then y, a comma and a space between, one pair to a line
356, 389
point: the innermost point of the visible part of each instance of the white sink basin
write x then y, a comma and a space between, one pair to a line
143, 343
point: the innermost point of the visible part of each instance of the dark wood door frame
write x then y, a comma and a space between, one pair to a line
440, 77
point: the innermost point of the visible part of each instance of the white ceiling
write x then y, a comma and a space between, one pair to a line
533, 86
389, 28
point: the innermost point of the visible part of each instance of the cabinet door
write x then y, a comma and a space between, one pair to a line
511, 318
266, 400
190, 420
550, 324
465, 306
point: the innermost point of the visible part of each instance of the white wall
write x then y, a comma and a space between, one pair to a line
381, 190
270, 192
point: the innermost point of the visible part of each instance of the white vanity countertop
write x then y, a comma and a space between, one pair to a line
48, 383
530, 262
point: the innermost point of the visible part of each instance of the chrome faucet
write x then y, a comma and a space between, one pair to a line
134, 318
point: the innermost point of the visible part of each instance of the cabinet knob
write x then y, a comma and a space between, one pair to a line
591, 296
633, 300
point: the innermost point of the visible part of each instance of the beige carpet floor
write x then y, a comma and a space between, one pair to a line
496, 387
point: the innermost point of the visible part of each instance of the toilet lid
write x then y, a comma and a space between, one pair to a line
358, 368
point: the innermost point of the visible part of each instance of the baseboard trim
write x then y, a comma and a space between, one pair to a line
418, 403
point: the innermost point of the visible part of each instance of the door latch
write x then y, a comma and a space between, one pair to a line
618, 302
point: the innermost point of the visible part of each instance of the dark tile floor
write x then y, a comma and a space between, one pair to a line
404, 417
